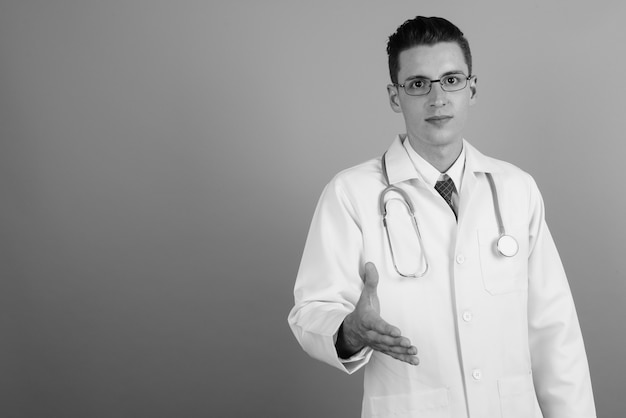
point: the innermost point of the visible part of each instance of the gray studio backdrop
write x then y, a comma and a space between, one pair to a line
160, 162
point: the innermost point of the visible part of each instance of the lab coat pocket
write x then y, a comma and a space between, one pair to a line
517, 397
503, 274
433, 403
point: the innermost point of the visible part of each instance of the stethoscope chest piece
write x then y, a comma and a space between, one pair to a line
507, 246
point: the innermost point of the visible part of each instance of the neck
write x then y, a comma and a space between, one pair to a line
439, 156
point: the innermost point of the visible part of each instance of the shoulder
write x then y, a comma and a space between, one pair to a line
510, 171
512, 182
367, 173
356, 187
504, 171
512, 176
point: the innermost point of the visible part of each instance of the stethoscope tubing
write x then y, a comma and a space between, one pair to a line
506, 244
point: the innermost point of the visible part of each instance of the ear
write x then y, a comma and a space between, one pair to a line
473, 82
394, 98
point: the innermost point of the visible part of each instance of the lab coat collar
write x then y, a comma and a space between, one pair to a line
400, 168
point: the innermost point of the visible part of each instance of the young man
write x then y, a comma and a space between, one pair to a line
476, 284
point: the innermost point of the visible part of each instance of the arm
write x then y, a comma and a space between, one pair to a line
335, 315
559, 363
328, 283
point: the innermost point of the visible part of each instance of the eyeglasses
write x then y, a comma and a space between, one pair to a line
419, 86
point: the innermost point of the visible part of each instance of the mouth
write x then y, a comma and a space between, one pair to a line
438, 119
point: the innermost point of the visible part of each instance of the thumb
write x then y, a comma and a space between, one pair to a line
371, 277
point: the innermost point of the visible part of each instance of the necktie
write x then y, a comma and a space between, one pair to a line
446, 188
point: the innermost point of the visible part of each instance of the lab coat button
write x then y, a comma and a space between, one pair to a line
477, 374
460, 259
467, 316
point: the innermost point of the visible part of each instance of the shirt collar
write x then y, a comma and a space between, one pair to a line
430, 174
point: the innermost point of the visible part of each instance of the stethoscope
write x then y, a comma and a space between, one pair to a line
506, 244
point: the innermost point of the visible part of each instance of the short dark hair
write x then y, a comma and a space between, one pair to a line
424, 31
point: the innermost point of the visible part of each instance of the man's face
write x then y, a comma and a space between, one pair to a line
436, 119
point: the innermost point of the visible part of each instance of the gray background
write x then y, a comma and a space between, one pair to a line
160, 162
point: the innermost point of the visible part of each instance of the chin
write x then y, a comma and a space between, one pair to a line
445, 140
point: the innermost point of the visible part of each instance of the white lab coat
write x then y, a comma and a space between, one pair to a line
497, 337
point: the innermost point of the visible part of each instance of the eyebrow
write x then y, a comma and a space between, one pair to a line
442, 75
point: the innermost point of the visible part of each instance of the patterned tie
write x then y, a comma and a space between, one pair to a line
445, 188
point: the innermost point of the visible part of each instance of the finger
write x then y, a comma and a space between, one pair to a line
412, 360
371, 277
410, 351
386, 343
397, 352
381, 326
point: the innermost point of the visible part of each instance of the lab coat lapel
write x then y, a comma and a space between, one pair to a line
399, 165
476, 164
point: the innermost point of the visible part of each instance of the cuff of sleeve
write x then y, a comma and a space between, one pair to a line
320, 337
357, 360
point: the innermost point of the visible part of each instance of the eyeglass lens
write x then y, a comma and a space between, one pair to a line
420, 86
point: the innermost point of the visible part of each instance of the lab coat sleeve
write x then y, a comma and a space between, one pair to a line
559, 363
329, 283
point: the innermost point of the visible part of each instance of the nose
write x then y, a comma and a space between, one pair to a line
438, 97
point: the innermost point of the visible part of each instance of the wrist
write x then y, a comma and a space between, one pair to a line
346, 346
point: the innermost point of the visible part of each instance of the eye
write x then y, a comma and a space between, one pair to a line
451, 80
416, 83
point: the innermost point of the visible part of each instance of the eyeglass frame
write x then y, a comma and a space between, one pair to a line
431, 82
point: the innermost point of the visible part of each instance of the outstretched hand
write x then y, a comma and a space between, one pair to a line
365, 327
